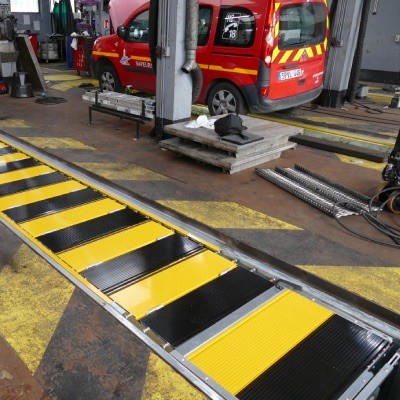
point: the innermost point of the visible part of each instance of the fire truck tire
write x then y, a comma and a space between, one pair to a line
108, 79
225, 98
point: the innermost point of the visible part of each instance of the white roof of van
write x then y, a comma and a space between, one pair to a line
121, 9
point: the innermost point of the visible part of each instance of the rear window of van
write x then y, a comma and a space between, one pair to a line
301, 25
236, 27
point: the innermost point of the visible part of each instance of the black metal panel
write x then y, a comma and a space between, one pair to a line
131, 266
206, 305
55, 204
32, 183
321, 367
12, 166
78, 234
7, 150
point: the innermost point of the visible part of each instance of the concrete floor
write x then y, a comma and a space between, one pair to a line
79, 352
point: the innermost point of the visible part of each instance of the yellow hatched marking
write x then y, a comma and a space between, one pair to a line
43, 193
12, 157
286, 56
309, 52
172, 283
2, 145
114, 245
243, 352
276, 29
319, 50
277, 5
70, 217
275, 53
298, 55
24, 173
57, 143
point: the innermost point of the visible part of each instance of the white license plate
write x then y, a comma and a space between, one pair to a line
293, 73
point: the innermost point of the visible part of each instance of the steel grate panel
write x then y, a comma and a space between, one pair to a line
12, 166
32, 183
319, 368
55, 204
134, 265
198, 310
93, 229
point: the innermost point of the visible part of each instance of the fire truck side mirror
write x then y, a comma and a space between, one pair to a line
121, 32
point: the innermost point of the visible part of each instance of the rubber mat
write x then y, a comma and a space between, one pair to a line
198, 310
86, 231
7, 150
55, 204
132, 266
258, 341
32, 183
321, 367
172, 283
12, 166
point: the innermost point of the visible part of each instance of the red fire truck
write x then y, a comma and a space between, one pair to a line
257, 56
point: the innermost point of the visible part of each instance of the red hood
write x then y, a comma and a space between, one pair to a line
121, 9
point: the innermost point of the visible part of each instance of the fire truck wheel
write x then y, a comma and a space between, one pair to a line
225, 98
109, 80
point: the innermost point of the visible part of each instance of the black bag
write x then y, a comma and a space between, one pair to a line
231, 124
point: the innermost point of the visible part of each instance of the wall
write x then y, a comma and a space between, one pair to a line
381, 54
39, 23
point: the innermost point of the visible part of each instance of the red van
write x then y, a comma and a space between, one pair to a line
257, 56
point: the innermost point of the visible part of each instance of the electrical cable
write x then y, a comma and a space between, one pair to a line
372, 218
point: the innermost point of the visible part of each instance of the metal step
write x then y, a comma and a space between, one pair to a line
328, 196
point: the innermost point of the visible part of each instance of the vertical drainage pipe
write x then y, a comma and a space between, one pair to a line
191, 33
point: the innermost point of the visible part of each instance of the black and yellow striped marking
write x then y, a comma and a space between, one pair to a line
233, 325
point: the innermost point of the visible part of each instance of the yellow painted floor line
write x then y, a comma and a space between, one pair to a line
24, 173
225, 215
332, 132
113, 245
115, 171
57, 143
373, 286
43, 193
13, 123
161, 378
64, 86
70, 217
33, 296
361, 163
240, 354
172, 283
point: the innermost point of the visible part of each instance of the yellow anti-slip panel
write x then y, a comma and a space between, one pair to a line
43, 193
172, 283
12, 157
114, 245
240, 354
24, 173
64, 219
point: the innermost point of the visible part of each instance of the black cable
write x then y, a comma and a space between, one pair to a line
371, 217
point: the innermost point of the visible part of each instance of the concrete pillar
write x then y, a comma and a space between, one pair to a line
174, 87
343, 42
